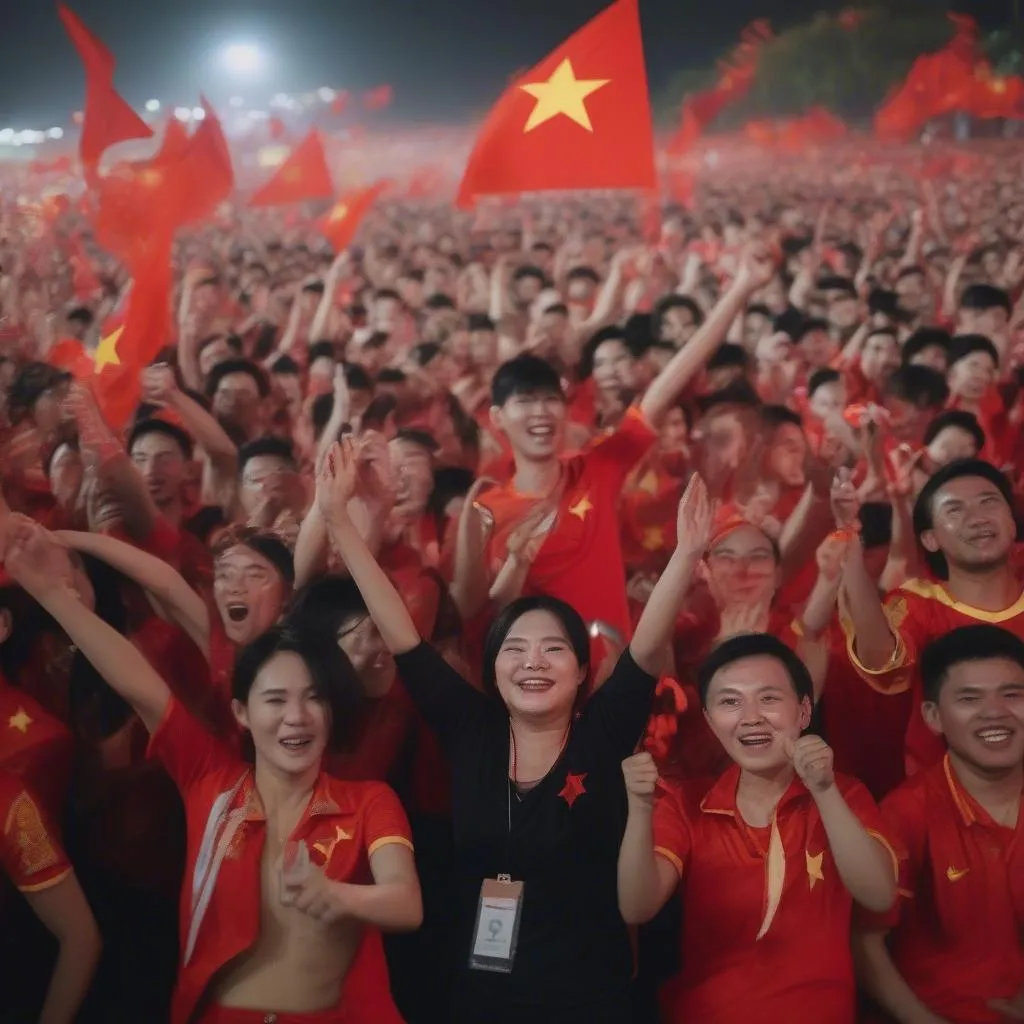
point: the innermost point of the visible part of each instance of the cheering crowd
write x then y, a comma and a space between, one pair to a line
567, 613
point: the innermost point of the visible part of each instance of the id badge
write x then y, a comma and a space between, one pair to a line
497, 925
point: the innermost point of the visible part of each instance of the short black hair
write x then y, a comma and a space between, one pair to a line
320, 350
583, 274
425, 353
438, 301
331, 675
923, 516
479, 322
964, 345
960, 418
420, 438
30, 383
754, 645
230, 366
821, 378
920, 386
154, 425
357, 378
286, 365
524, 375
923, 338
981, 642
325, 604
980, 297
82, 315
668, 302
529, 270
728, 355
391, 375
875, 524
775, 416
266, 544
270, 446
807, 326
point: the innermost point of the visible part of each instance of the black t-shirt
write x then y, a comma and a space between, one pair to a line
573, 951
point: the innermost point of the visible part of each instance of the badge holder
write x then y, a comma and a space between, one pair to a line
497, 925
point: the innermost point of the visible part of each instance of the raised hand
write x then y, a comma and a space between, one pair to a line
812, 761
694, 518
305, 887
641, 775
158, 384
845, 502
831, 555
336, 481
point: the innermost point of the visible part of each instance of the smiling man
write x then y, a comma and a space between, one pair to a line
963, 520
953, 949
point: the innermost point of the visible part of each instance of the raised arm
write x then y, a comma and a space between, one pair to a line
756, 270
177, 600
30, 559
654, 631
335, 486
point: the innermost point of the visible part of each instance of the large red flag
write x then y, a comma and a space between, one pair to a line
340, 223
304, 175
580, 119
108, 118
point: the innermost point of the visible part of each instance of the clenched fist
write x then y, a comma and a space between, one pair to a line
812, 759
641, 774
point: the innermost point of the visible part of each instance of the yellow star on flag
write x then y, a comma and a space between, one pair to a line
562, 93
653, 539
20, 720
338, 213
106, 350
581, 508
814, 872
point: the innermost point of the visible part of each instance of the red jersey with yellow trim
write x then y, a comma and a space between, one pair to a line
343, 824
36, 747
581, 559
956, 937
919, 611
31, 856
752, 899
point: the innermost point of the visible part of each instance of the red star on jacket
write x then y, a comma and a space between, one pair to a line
573, 788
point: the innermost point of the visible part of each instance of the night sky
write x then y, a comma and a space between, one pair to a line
446, 58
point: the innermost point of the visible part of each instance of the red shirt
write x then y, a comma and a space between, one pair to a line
919, 611
729, 886
344, 823
961, 909
36, 747
581, 559
29, 853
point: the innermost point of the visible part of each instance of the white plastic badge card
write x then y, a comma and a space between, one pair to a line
497, 925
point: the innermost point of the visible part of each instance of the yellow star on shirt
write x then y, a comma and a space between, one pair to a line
106, 351
20, 720
653, 539
327, 848
562, 93
581, 508
649, 482
814, 872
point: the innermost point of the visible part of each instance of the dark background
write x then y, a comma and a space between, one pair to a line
445, 58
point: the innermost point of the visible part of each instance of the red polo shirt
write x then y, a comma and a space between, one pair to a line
765, 938
344, 823
919, 611
581, 559
957, 927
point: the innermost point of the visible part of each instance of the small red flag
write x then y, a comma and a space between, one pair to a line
580, 119
342, 220
379, 98
108, 118
304, 175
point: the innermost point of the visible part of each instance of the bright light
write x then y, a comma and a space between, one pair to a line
7, 135
152, 106
242, 59
183, 113
56, 133
198, 114
326, 94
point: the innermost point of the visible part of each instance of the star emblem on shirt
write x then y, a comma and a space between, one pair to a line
955, 874
649, 483
653, 539
581, 508
573, 788
814, 872
20, 720
326, 848
562, 93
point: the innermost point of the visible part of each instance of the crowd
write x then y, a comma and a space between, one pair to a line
568, 612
